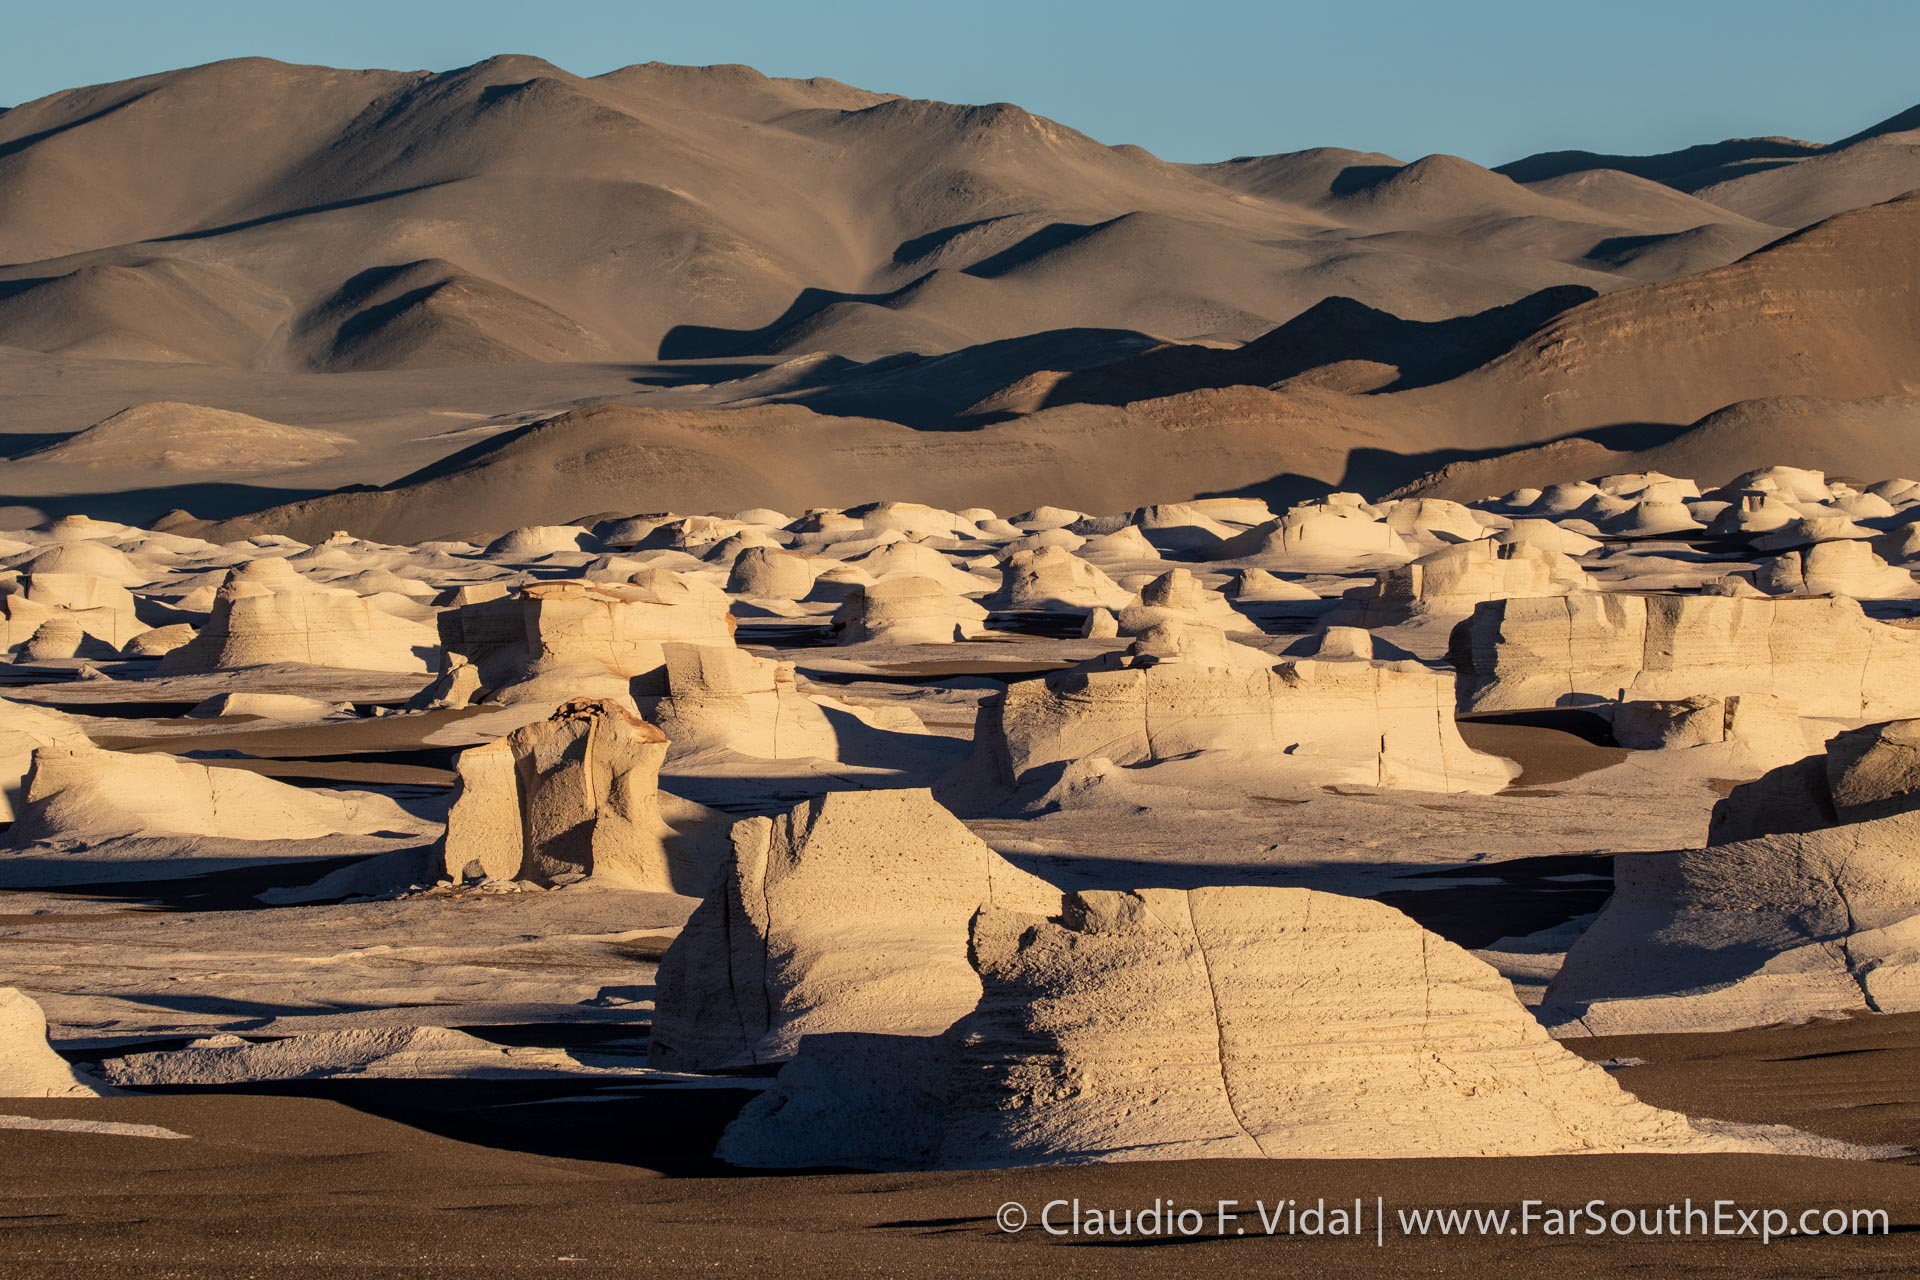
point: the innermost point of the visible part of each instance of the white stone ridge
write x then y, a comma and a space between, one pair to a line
1224, 1022
1823, 655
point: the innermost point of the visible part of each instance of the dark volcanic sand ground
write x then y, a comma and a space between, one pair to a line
431, 1178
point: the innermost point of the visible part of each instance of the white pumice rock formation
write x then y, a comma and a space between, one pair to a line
771, 573
1821, 654
845, 913
1319, 539
907, 610
1222, 1022
1181, 690
1845, 568
1178, 596
266, 612
1257, 586
1052, 578
534, 542
270, 706
78, 792
24, 729
29, 1068
727, 699
1767, 728
577, 795
551, 641
1547, 536
1460, 576
1791, 925
365, 1053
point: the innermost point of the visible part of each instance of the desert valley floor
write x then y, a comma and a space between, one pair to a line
680, 672
602, 870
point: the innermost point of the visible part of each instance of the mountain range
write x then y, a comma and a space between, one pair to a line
468, 278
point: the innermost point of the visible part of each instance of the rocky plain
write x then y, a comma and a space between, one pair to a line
494, 782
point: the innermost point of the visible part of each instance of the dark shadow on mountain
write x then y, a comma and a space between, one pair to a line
9, 288
288, 215
31, 139
1379, 472
1688, 169
707, 342
1055, 235
1337, 329
908, 251
214, 500
933, 393
1356, 178
30, 442
694, 375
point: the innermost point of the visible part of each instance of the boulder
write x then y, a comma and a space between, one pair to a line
1052, 578
1779, 927
76, 792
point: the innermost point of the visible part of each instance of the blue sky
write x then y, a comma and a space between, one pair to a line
1487, 79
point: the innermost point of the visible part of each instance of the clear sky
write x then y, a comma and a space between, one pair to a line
1197, 80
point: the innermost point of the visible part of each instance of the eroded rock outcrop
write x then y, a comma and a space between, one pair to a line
1241, 1022
29, 1068
1823, 654
907, 610
846, 913
577, 795
1340, 717
551, 641
265, 612
1783, 926
78, 792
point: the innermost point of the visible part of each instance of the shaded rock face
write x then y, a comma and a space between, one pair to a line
556, 640
1822, 655
1792, 925
1225, 1022
1333, 719
1762, 728
1806, 902
1869, 772
1844, 568
29, 1068
1321, 538
1177, 596
1054, 578
576, 794
23, 730
845, 914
